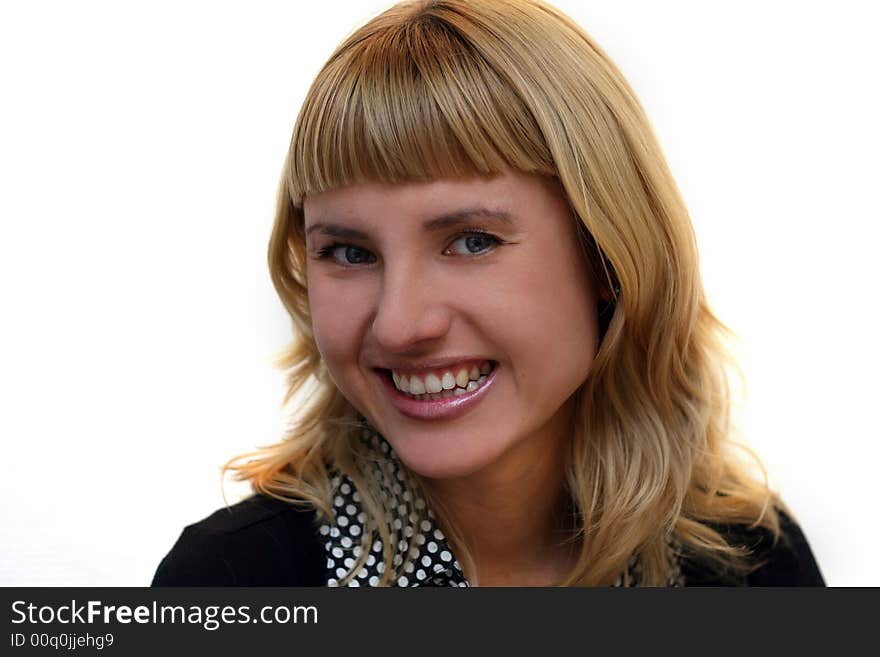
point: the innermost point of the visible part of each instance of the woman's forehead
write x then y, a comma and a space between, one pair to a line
497, 193
511, 204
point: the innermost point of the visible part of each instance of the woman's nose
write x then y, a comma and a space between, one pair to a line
410, 311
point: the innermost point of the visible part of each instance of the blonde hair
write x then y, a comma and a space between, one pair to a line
451, 88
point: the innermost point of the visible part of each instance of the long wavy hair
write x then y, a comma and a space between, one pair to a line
455, 88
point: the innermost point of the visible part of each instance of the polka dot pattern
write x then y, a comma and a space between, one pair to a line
423, 559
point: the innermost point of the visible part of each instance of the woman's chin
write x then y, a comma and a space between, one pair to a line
434, 462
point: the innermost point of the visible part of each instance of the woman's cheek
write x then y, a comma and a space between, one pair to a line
326, 320
336, 311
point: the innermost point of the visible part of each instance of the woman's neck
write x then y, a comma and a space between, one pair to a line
515, 515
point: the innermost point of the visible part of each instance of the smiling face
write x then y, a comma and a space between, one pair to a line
476, 287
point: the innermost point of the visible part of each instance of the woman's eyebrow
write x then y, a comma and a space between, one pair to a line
461, 217
466, 216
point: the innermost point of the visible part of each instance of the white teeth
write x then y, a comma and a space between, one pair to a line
446, 394
416, 386
432, 383
401, 381
445, 385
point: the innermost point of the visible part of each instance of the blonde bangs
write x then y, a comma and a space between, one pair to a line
410, 101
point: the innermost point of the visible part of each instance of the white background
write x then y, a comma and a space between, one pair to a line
140, 147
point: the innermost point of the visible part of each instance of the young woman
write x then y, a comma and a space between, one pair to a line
505, 369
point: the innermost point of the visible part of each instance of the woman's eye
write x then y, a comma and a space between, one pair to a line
467, 244
473, 243
346, 255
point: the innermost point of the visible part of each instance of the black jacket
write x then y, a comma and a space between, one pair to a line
262, 541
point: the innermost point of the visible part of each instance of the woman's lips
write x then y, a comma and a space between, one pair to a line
445, 408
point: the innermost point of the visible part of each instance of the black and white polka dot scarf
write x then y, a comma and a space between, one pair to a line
431, 560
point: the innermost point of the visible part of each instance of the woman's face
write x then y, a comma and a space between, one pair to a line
474, 287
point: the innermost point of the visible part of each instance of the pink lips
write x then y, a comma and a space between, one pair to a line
437, 409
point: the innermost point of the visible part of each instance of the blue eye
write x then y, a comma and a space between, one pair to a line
475, 243
472, 243
346, 255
